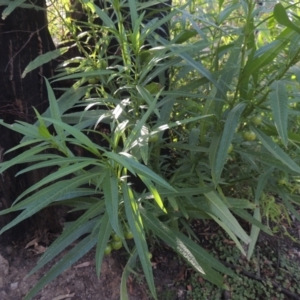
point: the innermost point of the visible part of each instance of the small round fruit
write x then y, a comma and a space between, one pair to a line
150, 255
249, 135
116, 245
230, 148
116, 238
108, 249
93, 80
128, 235
256, 120
282, 181
153, 138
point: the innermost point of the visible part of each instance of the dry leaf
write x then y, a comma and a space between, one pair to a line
33, 242
82, 265
64, 296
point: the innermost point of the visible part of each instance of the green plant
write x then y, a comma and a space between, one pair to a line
108, 249
217, 83
249, 135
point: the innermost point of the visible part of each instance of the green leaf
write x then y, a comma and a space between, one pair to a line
279, 105
136, 131
11, 7
81, 137
198, 66
266, 54
154, 192
107, 21
228, 73
68, 260
81, 75
184, 35
44, 197
199, 259
70, 234
57, 161
240, 203
133, 14
264, 158
23, 128
220, 210
261, 183
21, 158
282, 18
227, 135
229, 232
129, 266
289, 206
275, 150
62, 172
137, 228
145, 172
252, 220
111, 196
226, 12
55, 113
67, 101
43, 59
103, 237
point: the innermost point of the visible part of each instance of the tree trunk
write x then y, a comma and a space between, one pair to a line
24, 35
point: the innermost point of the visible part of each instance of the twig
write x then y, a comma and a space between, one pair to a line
30, 36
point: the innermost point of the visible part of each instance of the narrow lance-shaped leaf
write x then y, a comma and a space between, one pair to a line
35, 202
227, 135
136, 226
81, 137
129, 266
202, 261
111, 196
11, 7
55, 113
103, 237
71, 169
140, 169
22, 157
220, 210
282, 18
229, 232
155, 193
279, 105
266, 54
275, 150
68, 236
228, 74
68, 260
202, 70
71, 193
43, 59
23, 128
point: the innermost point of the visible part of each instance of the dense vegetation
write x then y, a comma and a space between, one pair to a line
161, 131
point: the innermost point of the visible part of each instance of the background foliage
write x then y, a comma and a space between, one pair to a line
138, 157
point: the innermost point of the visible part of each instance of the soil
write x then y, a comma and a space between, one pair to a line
80, 282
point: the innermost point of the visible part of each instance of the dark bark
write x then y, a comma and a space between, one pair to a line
24, 35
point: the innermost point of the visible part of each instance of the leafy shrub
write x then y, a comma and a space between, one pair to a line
231, 108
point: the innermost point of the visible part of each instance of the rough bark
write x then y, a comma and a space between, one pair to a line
23, 36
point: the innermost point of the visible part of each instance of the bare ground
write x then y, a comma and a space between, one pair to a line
80, 282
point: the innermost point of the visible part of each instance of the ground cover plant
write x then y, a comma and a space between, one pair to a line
271, 272
160, 131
